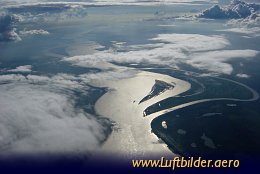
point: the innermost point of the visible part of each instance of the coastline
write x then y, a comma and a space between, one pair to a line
131, 136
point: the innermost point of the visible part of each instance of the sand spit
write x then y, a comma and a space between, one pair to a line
132, 135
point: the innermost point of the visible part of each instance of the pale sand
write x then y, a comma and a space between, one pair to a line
133, 137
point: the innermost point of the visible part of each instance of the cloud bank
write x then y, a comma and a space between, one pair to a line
237, 9
244, 17
250, 23
44, 122
39, 116
106, 2
33, 32
200, 51
24, 68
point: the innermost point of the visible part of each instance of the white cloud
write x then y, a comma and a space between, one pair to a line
45, 12
71, 82
199, 51
245, 17
216, 61
171, 48
193, 42
38, 114
15, 15
243, 30
24, 68
12, 77
243, 75
249, 23
35, 120
236, 9
105, 2
59, 80
33, 32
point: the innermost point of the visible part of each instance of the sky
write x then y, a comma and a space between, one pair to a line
122, 2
